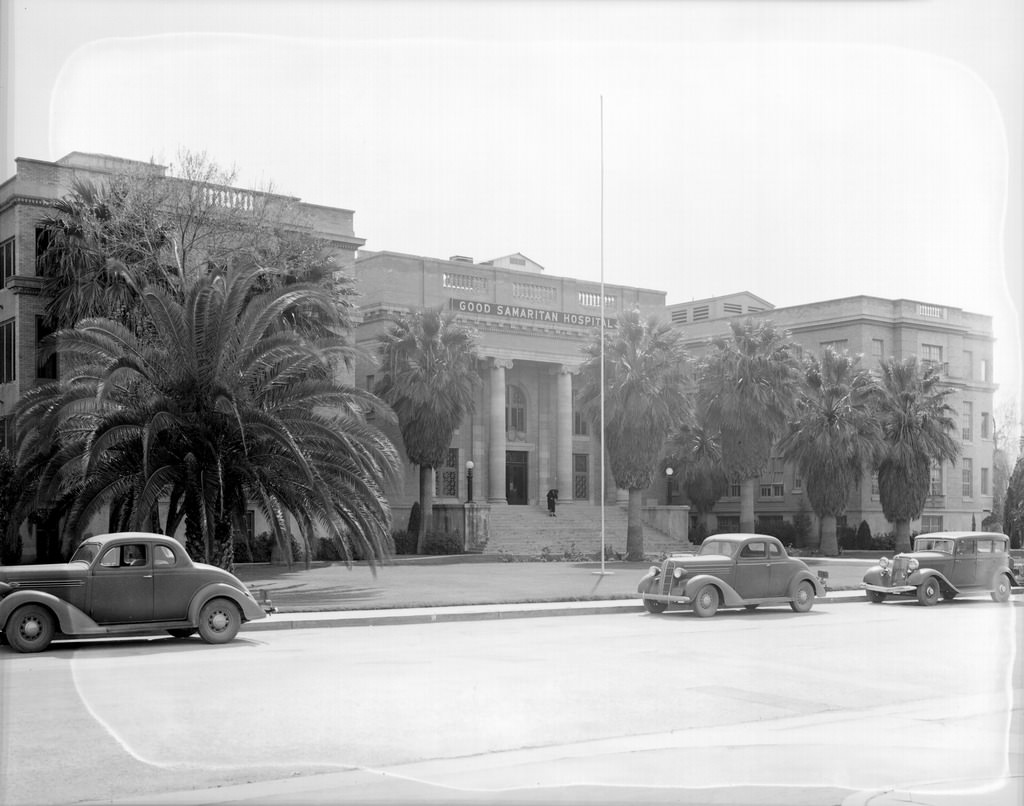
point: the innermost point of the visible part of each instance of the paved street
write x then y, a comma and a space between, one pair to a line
761, 707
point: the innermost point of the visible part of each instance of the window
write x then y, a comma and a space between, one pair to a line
446, 480
700, 313
517, 261
931, 354
515, 410
732, 308
986, 425
989, 546
679, 316
931, 523
728, 524
966, 421
931, 310
580, 426
837, 345
163, 555
968, 365
734, 492
983, 374
772, 491
874, 484
968, 478
878, 349
8, 353
798, 482
371, 381
6, 261
935, 486
758, 550
45, 368
984, 482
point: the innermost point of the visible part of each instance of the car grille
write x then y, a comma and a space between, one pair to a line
900, 569
667, 580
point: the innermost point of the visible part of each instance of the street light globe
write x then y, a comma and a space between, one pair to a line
470, 465
668, 471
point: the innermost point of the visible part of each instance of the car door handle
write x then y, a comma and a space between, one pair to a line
147, 576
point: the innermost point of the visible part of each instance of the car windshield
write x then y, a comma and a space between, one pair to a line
943, 544
717, 547
85, 553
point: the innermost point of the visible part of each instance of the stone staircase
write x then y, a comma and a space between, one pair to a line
529, 530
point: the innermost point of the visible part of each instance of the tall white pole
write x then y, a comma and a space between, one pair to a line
602, 337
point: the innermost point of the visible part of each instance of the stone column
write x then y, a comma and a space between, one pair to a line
563, 455
496, 432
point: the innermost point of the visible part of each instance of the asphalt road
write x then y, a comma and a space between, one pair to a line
748, 707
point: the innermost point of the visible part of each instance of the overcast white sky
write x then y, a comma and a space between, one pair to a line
802, 150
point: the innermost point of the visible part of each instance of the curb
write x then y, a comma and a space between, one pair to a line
436, 615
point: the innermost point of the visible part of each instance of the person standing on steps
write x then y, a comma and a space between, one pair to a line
552, 499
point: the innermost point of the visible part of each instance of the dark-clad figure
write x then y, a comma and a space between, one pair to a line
552, 499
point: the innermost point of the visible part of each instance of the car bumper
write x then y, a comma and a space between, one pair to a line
888, 588
658, 597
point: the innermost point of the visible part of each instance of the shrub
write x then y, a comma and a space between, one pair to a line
863, 540
884, 541
784, 530
405, 542
441, 543
802, 523
847, 537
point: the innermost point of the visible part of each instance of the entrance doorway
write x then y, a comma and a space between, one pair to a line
516, 477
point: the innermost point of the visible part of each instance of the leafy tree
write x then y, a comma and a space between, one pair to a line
11, 483
834, 436
429, 377
748, 384
222, 401
917, 424
695, 454
1013, 506
645, 399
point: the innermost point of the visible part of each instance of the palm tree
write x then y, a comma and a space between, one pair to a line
645, 399
834, 437
224, 402
695, 454
748, 385
428, 360
916, 425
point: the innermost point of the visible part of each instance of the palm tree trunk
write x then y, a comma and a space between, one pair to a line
747, 487
426, 506
829, 544
634, 527
902, 535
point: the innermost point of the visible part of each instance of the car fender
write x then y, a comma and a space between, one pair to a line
729, 595
647, 582
801, 576
250, 610
71, 620
873, 575
918, 578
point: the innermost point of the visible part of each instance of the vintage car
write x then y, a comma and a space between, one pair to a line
123, 584
945, 564
731, 570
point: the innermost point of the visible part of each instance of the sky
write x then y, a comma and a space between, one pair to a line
801, 150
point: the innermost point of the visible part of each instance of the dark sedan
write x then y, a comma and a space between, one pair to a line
732, 570
128, 583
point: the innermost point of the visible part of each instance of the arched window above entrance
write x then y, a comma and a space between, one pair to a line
515, 411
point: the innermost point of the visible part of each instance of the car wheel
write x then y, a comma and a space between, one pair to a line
803, 598
30, 628
705, 603
928, 592
654, 606
184, 632
219, 621
1001, 589
875, 597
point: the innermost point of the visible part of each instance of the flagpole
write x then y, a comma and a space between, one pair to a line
601, 485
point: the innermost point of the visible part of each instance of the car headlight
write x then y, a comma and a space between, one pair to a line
679, 572
883, 563
654, 570
913, 564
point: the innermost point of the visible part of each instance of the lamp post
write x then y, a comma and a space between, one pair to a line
668, 486
469, 481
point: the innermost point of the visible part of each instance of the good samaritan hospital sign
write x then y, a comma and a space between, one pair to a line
529, 314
